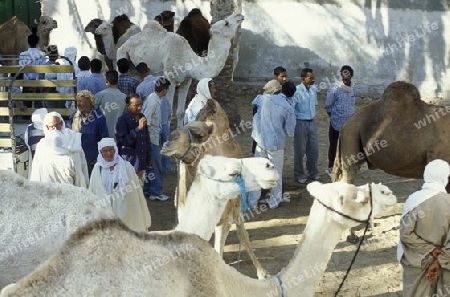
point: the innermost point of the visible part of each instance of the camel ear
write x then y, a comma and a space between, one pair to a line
316, 189
199, 130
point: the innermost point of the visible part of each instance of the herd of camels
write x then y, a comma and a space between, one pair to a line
81, 249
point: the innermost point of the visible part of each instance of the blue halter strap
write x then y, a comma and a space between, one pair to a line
244, 195
281, 285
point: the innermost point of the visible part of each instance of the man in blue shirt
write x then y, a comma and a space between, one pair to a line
305, 136
147, 85
272, 122
340, 106
133, 140
96, 82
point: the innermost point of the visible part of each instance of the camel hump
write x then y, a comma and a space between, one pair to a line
401, 91
153, 27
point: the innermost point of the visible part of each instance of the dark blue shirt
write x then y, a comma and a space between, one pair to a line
133, 144
93, 129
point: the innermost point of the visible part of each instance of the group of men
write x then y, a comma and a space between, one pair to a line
288, 110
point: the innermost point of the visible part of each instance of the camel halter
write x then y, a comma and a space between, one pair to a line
241, 183
188, 150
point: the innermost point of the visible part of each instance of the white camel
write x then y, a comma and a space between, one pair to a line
98, 260
215, 184
170, 54
105, 30
211, 134
36, 218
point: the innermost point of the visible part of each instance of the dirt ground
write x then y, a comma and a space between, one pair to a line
274, 234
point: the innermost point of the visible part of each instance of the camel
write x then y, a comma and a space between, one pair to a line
97, 260
166, 19
209, 134
111, 38
36, 220
398, 134
45, 25
14, 36
91, 27
171, 54
195, 28
216, 182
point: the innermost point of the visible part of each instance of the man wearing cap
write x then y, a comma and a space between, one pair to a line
116, 184
272, 122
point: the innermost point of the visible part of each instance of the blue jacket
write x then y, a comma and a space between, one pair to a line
274, 120
133, 144
93, 129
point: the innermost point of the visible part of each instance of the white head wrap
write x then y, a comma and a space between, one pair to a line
38, 118
118, 163
203, 92
435, 177
72, 139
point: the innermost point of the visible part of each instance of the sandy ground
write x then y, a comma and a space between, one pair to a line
275, 233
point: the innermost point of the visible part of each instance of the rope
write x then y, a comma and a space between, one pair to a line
281, 285
360, 242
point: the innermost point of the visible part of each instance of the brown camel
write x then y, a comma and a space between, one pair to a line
195, 28
166, 19
91, 27
399, 134
14, 36
209, 134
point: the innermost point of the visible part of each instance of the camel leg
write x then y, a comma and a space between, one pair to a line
260, 271
182, 94
109, 63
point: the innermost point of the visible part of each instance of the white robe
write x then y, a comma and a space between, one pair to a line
128, 203
56, 168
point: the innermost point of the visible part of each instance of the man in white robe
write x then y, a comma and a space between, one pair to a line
115, 182
72, 141
424, 247
52, 162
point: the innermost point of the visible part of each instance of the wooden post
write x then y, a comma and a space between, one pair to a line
225, 95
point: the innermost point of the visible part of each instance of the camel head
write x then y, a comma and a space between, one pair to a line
382, 197
225, 172
227, 27
351, 201
93, 25
185, 143
166, 19
104, 29
46, 24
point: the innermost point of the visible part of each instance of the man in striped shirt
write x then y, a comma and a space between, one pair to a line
340, 106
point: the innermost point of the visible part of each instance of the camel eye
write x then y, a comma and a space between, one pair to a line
233, 174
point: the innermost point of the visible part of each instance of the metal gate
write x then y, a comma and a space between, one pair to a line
25, 10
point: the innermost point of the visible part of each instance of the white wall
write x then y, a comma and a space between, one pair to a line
382, 44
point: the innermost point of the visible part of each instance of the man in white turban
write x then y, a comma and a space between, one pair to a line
424, 247
52, 162
72, 141
206, 89
115, 182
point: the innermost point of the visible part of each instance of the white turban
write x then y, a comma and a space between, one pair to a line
118, 163
203, 92
436, 178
